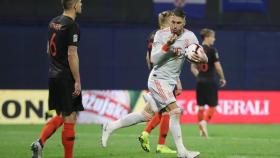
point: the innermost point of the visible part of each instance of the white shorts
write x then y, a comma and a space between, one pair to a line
162, 92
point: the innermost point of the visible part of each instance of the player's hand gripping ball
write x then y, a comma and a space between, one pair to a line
194, 53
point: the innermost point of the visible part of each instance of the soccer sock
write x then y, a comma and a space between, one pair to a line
175, 129
153, 122
129, 120
163, 130
68, 138
211, 111
50, 128
200, 114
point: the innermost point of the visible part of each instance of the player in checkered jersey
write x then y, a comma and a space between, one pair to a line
168, 57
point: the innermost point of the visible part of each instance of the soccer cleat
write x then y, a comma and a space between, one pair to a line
105, 135
192, 154
36, 148
144, 141
189, 154
163, 149
203, 128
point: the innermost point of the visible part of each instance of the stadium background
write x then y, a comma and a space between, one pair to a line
114, 75
113, 49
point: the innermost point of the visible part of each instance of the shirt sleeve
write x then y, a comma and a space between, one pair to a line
194, 39
73, 35
158, 55
216, 55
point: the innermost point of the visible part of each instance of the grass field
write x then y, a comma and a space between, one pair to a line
226, 141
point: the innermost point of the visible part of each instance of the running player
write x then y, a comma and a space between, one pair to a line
161, 117
206, 87
168, 56
64, 78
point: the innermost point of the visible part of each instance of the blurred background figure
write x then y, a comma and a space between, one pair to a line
206, 86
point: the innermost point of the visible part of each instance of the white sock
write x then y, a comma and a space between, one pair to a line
175, 129
128, 120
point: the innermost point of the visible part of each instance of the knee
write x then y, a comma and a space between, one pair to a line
148, 115
72, 118
175, 112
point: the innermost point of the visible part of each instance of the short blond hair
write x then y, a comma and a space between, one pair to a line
206, 33
163, 17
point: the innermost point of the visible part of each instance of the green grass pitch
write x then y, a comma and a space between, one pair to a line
226, 141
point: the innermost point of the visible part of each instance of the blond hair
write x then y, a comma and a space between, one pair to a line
206, 33
163, 17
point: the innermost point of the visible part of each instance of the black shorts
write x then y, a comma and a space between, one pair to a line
207, 93
60, 96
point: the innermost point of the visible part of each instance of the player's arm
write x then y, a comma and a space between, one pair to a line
194, 69
179, 87
219, 68
203, 58
220, 72
148, 60
73, 60
161, 51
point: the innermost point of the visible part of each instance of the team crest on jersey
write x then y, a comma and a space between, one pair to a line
75, 38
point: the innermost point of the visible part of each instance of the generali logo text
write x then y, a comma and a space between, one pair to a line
232, 107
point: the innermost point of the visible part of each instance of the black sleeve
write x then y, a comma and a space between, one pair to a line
73, 35
215, 55
150, 40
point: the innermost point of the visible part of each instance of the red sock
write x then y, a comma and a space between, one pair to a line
153, 122
200, 115
211, 111
164, 128
68, 137
50, 128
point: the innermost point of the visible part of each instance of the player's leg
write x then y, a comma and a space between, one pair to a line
212, 100
68, 133
162, 92
70, 106
129, 120
153, 122
163, 131
211, 95
144, 137
175, 128
201, 99
202, 123
47, 131
51, 126
210, 113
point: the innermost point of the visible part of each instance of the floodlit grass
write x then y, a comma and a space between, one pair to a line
226, 141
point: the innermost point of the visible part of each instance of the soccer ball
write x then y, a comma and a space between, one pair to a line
191, 49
